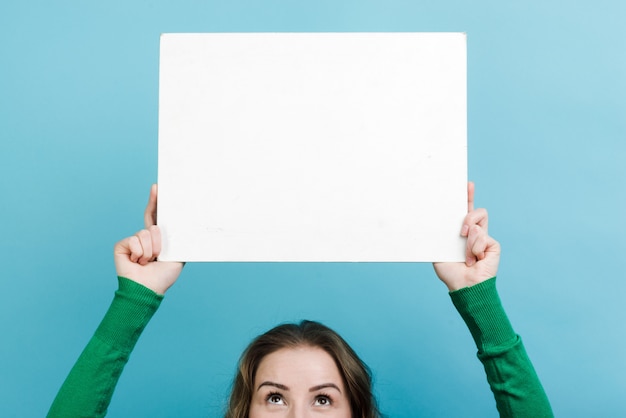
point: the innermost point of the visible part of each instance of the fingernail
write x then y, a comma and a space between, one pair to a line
464, 230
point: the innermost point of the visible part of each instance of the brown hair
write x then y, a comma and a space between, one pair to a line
356, 375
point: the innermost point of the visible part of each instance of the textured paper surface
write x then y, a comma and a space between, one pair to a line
312, 146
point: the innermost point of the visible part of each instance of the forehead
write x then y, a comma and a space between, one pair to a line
296, 366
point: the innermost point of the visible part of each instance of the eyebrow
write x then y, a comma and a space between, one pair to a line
276, 385
324, 386
313, 389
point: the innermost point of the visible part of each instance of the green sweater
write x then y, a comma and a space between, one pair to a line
88, 389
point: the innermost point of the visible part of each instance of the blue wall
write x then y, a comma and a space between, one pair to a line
547, 149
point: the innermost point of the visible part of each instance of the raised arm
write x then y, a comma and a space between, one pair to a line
88, 388
510, 373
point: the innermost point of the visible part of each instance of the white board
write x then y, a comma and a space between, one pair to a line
312, 146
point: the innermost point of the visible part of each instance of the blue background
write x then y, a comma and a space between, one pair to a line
547, 148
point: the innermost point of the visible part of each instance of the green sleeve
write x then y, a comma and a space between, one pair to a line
88, 388
511, 375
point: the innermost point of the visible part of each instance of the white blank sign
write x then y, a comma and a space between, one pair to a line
312, 146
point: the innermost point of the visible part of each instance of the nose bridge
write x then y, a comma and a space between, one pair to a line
299, 410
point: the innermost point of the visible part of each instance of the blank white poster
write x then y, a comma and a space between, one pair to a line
312, 147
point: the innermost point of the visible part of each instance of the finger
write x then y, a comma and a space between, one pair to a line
479, 245
155, 233
134, 249
150, 214
122, 248
478, 217
470, 207
145, 239
470, 257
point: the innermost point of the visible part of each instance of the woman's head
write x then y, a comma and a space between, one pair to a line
305, 365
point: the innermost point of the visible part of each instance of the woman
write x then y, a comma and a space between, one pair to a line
294, 370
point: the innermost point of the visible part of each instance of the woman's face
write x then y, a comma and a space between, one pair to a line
299, 382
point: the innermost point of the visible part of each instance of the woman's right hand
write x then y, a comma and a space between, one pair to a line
136, 256
482, 252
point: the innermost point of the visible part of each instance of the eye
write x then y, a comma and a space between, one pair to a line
323, 400
275, 398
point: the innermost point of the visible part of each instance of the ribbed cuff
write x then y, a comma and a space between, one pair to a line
482, 311
129, 313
